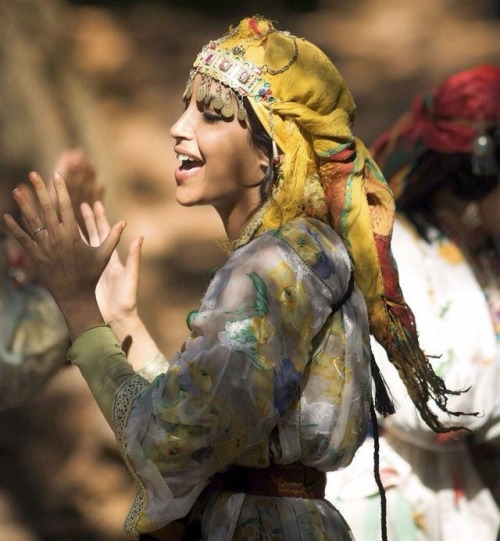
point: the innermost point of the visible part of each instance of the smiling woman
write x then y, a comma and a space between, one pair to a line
220, 166
231, 439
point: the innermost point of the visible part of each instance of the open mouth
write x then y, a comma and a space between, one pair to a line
188, 162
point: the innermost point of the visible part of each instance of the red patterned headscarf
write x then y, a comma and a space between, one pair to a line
448, 119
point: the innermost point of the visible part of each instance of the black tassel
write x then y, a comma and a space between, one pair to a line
383, 401
376, 471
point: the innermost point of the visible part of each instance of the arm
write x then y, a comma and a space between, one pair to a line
117, 295
33, 334
222, 395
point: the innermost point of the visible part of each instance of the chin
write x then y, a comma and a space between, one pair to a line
183, 203
186, 199
190, 198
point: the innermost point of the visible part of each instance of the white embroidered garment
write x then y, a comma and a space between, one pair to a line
434, 492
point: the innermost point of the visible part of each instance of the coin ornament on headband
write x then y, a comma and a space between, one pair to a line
229, 69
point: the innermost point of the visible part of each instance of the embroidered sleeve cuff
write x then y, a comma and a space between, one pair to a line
159, 365
102, 363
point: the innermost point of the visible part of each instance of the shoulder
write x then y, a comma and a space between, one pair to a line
317, 245
309, 246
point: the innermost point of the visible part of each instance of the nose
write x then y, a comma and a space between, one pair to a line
182, 127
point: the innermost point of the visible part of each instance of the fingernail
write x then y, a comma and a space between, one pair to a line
57, 175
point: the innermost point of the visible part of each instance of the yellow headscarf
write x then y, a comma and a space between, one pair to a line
305, 106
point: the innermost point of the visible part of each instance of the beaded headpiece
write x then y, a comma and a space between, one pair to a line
230, 69
327, 173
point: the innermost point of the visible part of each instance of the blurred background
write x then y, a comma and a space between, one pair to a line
108, 77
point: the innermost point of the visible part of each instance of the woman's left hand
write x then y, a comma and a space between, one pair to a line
67, 266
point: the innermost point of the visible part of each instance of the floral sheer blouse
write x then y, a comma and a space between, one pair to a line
276, 369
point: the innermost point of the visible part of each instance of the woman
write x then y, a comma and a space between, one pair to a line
442, 159
272, 388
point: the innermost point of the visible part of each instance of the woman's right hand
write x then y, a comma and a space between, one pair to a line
116, 290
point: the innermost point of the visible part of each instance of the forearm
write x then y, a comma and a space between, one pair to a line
102, 363
142, 348
80, 314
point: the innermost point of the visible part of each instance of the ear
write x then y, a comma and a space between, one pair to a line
264, 166
263, 161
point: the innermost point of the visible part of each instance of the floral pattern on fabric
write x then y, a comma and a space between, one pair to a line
266, 354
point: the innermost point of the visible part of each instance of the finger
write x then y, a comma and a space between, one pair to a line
64, 203
133, 263
29, 215
104, 228
90, 224
109, 244
30, 196
45, 201
63, 163
28, 193
101, 220
19, 233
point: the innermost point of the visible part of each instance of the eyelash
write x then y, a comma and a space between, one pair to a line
210, 118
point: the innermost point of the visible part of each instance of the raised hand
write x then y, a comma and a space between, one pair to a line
69, 267
116, 290
81, 180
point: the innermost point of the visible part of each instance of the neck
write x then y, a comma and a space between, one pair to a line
237, 218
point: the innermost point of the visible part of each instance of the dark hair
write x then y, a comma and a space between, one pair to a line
435, 170
262, 141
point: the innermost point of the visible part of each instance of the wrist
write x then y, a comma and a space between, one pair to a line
125, 325
80, 314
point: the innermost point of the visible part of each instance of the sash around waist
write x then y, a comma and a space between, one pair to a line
278, 480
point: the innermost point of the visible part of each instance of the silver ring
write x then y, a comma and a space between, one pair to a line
38, 229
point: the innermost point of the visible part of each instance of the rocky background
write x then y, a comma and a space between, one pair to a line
108, 76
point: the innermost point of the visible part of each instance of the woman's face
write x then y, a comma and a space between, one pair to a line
219, 165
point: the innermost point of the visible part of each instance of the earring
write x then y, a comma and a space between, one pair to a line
483, 162
276, 154
242, 114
